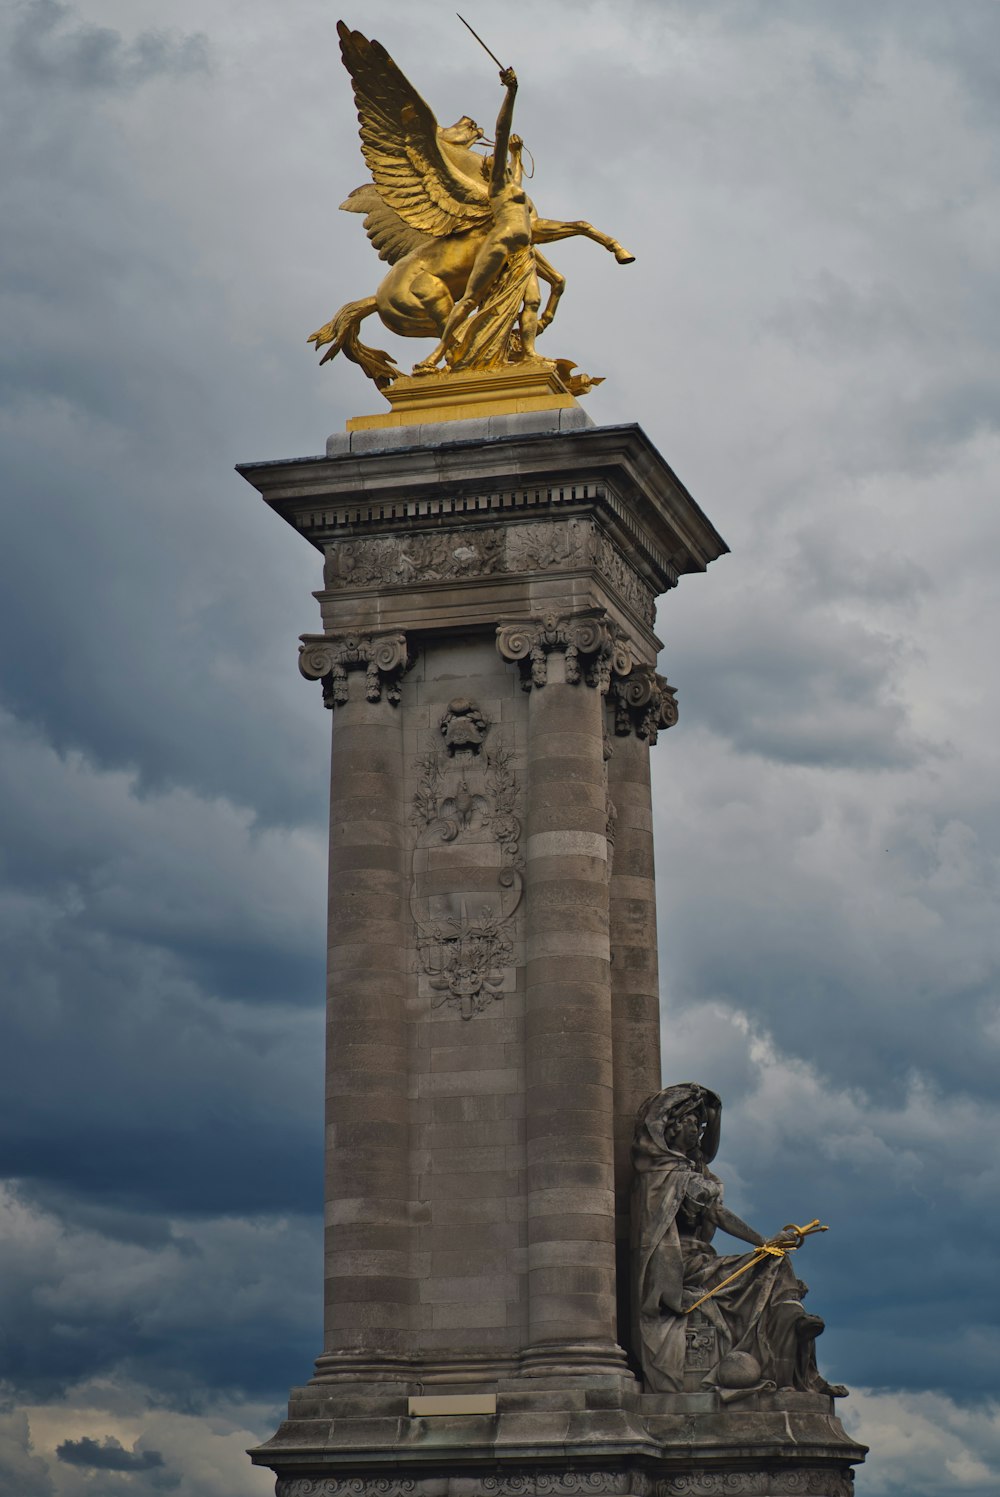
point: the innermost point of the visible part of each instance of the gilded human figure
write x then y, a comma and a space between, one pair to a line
457, 228
759, 1333
504, 256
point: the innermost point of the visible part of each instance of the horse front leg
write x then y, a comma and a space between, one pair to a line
556, 284
547, 230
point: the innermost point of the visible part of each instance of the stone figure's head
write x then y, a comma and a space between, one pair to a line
684, 1118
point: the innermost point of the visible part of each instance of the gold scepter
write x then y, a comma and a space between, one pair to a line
500, 65
482, 43
772, 1248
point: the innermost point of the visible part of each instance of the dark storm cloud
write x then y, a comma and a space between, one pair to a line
200, 1306
163, 1112
50, 45
99, 345
118, 949
107, 1455
847, 918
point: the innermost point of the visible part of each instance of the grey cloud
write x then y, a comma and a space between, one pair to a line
115, 938
835, 318
829, 569
51, 47
22, 1470
107, 1455
822, 691
225, 1304
815, 918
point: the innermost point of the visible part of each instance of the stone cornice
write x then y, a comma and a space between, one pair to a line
614, 471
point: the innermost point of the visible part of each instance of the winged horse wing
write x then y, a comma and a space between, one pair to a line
399, 141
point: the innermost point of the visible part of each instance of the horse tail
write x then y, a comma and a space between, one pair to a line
341, 332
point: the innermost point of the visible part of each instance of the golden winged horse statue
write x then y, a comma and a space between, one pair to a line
457, 228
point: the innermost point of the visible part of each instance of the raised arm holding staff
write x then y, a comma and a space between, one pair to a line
457, 230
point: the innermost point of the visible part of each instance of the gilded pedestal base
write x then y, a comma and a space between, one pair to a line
422, 399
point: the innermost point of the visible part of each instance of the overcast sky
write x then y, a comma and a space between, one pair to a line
809, 335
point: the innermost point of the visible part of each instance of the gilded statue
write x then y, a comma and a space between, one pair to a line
733, 1323
457, 228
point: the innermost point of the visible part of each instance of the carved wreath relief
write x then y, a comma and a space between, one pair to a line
466, 879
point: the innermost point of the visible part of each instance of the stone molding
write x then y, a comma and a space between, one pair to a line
353, 513
815, 1482
644, 703
477, 551
595, 649
328, 658
512, 1484
795, 1481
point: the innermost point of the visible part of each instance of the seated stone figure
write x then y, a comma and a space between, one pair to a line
752, 1334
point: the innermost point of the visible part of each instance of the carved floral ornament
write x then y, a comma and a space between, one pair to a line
466, 878
328, 658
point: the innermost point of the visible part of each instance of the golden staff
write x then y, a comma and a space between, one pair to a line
768, 1249
482, 43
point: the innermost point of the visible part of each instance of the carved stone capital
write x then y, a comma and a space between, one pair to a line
328, 658
595, 649
645, 703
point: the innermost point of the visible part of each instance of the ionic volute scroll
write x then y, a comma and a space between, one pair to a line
645, 703
595, 649
384, 658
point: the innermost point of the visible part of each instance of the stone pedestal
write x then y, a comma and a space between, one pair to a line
487, 651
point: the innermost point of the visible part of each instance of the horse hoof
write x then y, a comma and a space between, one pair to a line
623, 257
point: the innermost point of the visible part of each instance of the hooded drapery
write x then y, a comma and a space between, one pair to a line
675, 1264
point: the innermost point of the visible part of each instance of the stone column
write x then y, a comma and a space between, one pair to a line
569, 1078
369, 1288
643, 704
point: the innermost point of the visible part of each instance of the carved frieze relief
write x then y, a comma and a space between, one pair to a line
595, 649
796, 1482
548, 545
395, 560
535, 1483
329, 658
624, 579
814, 1481
466, 878
483, 551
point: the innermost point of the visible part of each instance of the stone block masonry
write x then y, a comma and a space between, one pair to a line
488, 655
